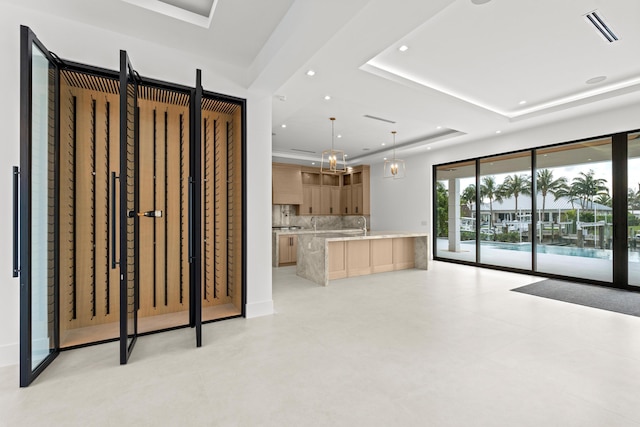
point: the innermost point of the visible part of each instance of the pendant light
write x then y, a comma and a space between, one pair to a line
333, 160
394, 168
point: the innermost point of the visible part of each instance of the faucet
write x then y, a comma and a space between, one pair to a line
314, 221
364, 221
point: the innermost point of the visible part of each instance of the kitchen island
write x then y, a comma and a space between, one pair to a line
329, 256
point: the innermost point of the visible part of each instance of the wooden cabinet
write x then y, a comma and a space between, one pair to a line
381, 255
356, 191
330, 200
403, 253
310, 204
359, 257
346, 205
337, 268
287, 250
286, 184
310, 200
318, 193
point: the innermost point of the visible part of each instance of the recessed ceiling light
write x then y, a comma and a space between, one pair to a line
522, 102
383, 144
313, 163
595, 80
327, 97
311, 73
498, 131
438, 127
428, 148
384, 158
588, 160
339, 136
478, 2
283, 125
403, 48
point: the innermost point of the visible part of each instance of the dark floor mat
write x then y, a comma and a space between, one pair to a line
617, 300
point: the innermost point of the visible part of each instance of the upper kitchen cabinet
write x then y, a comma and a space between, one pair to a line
318, 193
287, 184
330, 194
311, 200
356, 191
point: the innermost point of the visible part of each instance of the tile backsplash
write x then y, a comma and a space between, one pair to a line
285, 215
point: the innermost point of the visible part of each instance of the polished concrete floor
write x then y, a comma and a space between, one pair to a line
450, 346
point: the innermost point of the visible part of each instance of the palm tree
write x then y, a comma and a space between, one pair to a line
546, 184
566, 191
490, 190
604, 199
443, 209
515, 185
633, 198
586, 187
468, 197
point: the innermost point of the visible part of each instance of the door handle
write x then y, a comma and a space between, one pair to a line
151, 214
189, 214
16, 179
113, 221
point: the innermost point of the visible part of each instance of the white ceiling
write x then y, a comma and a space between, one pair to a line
466, 71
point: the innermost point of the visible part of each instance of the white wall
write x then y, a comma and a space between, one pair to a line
89, 45
404, 204
259, 212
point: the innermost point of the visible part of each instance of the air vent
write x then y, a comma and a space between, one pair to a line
303, 151
603, 29
378, 118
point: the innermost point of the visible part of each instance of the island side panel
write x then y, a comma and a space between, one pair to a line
422, 252
312, 259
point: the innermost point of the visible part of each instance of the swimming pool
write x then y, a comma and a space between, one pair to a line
557, 250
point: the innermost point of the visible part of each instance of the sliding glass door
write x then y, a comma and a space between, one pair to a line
505, 212
456, 211
574, 214
633, 208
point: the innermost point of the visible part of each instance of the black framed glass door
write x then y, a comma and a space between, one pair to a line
38, 222
195, 211
129, 283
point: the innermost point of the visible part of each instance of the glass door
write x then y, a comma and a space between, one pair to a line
128, 209
195, 212
37, 237
633, 209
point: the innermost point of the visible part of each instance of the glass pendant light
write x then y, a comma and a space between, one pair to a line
394, 168
333, 161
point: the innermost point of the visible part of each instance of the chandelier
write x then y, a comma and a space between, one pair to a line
394, 168
333, 160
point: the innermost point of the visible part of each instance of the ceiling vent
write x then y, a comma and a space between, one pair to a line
303, 151
378, 118
603, 29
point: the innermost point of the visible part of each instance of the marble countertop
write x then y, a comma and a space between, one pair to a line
311, 231
339, 236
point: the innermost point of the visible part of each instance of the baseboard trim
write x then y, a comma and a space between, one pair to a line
257, 309
9, 354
